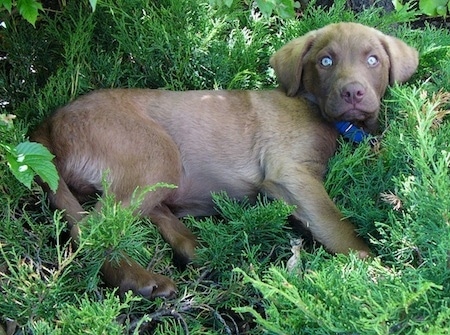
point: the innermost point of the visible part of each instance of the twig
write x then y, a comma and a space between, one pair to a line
219, 317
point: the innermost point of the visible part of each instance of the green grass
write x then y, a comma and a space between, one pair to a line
397, 194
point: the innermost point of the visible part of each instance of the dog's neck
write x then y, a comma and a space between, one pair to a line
309, 96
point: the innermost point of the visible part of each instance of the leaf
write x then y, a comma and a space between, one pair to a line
285, 9
430, 7
398, 5
7, 4
29, 159
20, 171
441, 10
29, 9
93, 4
266, 7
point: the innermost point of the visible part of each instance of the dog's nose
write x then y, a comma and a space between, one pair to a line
353, 93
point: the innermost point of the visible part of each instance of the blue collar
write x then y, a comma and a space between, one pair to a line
351, 132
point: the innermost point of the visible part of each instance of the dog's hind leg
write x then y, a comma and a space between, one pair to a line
145, 156
73, 212
126, 274
158, 162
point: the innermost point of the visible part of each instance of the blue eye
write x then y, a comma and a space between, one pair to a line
326, 61
372, 60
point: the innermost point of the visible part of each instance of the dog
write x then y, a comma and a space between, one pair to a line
274, 142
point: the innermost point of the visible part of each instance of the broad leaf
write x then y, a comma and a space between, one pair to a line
29, 159
29, 9
266, 7
432, 7
7, 4
93, 4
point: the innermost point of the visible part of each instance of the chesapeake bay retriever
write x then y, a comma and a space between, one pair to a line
275, 142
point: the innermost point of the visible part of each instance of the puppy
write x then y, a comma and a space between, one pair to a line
276, 142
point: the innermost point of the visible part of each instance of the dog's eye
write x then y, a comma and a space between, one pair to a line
326, 61
372, 60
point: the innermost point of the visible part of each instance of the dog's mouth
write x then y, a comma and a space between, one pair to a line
358, 117
354, 115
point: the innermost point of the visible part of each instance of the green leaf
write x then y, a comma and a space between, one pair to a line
286, 9
441, 10
7, 4
266, 7
283, 8
430, 7
29, 159
398, 5
29, 9
21, 171
93, 4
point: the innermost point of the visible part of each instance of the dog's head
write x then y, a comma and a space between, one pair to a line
345, 68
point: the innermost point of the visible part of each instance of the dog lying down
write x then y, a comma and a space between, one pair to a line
275, 142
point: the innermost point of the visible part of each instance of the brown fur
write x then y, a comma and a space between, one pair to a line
241, 142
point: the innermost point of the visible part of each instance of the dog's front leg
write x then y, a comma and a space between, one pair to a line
174, 232
318, 213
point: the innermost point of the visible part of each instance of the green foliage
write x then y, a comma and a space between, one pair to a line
91, 316
26, 159
366, 294
427, 7
116, 230
434, 7
422, 226
396, 194
97, 316
434, 57
283, 8
40, 284
187, 54
247, 234
93, 4
28, 9
35, 286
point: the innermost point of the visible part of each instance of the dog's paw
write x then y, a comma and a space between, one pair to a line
150, 285
128, 275
184, 251
364, 254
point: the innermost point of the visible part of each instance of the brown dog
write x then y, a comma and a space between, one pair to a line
241, 142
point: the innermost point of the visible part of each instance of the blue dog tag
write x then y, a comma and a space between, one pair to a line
351, 132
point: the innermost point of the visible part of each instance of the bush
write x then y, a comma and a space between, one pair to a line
396, 193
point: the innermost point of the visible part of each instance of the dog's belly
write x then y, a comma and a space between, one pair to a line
193, 195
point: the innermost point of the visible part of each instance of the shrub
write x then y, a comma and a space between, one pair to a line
396, 194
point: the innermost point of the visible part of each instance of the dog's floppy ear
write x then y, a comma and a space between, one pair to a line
403, 58
288, 62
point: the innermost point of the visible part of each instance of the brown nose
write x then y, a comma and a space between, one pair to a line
353, 93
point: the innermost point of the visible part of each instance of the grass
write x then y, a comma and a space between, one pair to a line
395, 193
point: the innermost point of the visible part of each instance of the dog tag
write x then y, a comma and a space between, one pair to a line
351, 132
